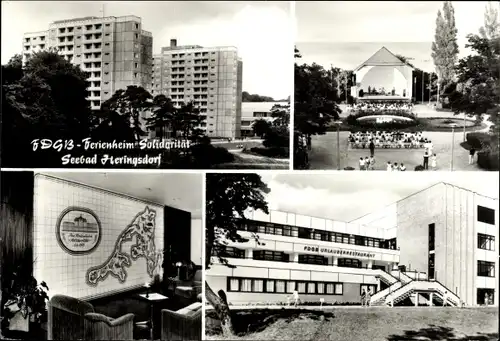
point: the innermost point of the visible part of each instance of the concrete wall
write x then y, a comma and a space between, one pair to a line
453, 210
67, 273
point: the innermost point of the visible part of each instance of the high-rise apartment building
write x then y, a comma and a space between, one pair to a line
211, 77
115, 51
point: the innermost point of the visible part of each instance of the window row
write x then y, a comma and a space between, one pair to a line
257, 285
308, 233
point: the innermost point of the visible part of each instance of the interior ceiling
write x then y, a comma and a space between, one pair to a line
179, 190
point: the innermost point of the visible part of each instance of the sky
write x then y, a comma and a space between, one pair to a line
346, 196
261, 30
343, 33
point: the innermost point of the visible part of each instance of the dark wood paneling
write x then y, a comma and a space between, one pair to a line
177, 238
16, 223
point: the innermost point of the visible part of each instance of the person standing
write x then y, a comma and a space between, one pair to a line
372, 163
472, 152
389, 166
486, 299
367, 163
363, 298
372, 148
295, 297
445, 298
361, 163
426, 159
368, 297
434, 162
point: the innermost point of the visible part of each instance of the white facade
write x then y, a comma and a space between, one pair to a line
253, 111
453, 211
336, 268
441, 241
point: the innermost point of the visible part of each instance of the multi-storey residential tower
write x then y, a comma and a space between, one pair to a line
211, 77
436, 245
115, 51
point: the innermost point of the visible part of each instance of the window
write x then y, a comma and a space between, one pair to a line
432, 236
485, 242
321, 288
368, 287
290, 286
275, 256
246, 285
313, 259
234, 284
311, 288
258, 285
485, 215
301, 288
485, 269
349, 263
228, 251
280, 286
270, 285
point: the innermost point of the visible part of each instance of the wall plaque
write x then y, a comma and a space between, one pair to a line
78, 230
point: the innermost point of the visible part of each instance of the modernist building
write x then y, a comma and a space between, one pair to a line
115, 51
211, 77
253, 111
437, 243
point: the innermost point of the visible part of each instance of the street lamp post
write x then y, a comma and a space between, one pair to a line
464, 126
338, 123
453, 125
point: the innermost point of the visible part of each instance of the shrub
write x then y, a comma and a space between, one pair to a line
488, 160
271, 152
419, 168
479, 140
349, 168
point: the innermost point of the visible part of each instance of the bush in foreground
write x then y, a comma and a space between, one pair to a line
271, 152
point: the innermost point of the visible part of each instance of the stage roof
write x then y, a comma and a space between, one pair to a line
383, 57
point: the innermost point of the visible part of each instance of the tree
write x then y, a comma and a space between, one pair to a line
315, 106
404, 60
131, 103
445, 47
478, 88
45, 99
188, 119
261, 127
246, 97
491, 28
228, 196
163, 111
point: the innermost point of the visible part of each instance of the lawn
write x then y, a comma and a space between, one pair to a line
373, 324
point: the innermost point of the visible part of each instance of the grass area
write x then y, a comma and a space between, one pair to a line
358, 324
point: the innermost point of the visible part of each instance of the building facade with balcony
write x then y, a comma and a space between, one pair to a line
320, 258
210, 77
115, 52
434, 247
253, 111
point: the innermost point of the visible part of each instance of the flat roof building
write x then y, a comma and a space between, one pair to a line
211, 77
114, 51
253, 111
433, 246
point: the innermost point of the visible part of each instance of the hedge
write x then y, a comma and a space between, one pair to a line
487, 146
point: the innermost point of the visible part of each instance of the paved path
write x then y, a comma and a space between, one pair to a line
324, 153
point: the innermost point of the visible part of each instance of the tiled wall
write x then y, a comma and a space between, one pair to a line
65, 273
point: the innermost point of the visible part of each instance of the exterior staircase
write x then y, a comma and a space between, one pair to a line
401, 287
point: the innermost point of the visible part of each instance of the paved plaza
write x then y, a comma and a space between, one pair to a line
324, 153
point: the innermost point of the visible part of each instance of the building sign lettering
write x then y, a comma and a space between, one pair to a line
78, 230
338, 252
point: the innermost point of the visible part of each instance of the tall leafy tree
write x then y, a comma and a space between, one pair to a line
44, 99
491, 27
261, 127
445, 46
188, 118
228, 196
